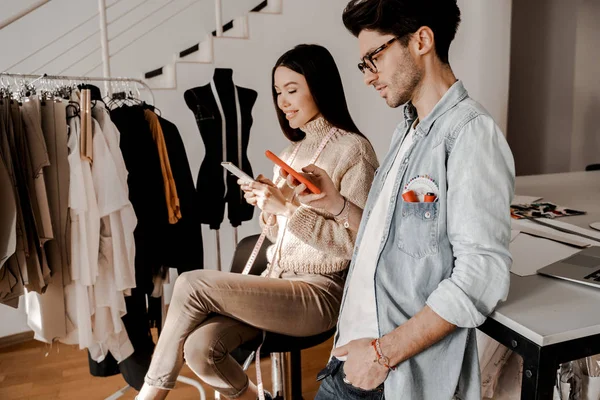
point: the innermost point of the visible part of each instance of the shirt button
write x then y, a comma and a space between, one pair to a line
427, 215
405, 161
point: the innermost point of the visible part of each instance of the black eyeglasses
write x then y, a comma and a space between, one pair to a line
368, 62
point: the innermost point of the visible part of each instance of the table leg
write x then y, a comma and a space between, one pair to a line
539, 376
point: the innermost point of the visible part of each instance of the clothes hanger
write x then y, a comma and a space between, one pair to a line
4, 89
118, 95
108, 99
75, 105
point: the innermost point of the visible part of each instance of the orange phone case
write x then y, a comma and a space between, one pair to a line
309, 185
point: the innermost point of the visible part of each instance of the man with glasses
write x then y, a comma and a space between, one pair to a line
431, 260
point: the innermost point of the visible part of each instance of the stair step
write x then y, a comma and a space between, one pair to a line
201, 52
162, 78
226, 27
165, 78
236, 28
269, 7
190, 50
261, 6
153, 73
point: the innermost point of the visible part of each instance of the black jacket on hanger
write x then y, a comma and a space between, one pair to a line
158, 243
183, 239
146, 192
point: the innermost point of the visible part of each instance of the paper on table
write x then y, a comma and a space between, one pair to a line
524, 199
513, 234
575, 228
549, 233
532, 253
531, 227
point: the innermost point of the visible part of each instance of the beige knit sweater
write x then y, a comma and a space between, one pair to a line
313, 241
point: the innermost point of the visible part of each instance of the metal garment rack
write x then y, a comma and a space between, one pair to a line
79, 79
33, 78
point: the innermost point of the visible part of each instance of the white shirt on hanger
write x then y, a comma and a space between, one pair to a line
109, 301
123, 241
85, 243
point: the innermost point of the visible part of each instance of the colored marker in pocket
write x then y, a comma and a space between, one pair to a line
429, 197
410, 196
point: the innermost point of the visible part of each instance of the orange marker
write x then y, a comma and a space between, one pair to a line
429, 197
410, 197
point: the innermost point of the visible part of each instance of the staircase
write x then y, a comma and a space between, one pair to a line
149, 29
165, 77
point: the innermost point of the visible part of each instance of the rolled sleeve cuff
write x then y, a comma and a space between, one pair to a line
452, 304
302, 223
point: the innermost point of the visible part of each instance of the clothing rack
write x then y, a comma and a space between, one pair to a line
80, 79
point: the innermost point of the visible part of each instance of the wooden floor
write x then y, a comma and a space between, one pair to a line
33, 370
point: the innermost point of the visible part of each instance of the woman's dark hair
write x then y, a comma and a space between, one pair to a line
402, 18
317, 66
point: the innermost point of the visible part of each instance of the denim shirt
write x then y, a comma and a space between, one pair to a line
452, 254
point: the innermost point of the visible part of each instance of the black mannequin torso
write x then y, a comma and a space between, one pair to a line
214, 190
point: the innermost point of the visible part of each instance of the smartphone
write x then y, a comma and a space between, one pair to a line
237, 172
309, 185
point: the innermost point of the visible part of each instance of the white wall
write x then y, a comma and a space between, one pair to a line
13, 320
541, 85
11, 8
585, 141
479, 55
554, 86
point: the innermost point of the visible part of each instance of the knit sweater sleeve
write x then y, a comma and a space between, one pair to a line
318, 228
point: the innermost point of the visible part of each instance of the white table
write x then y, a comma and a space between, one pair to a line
546, 320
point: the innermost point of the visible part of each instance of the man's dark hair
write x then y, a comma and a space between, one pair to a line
324, 82
402, 18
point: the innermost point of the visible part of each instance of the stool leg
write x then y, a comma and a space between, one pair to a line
296, 375
276, 375
287, 377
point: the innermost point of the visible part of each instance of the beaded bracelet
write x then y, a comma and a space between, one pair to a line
381, 359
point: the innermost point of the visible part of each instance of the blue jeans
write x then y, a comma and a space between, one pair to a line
333, 386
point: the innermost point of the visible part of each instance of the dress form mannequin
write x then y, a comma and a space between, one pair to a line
210, 103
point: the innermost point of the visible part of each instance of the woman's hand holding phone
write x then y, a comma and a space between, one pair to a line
329, 199
265, 195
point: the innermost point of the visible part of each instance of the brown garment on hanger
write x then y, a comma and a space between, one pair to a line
40, 225
38, 156
85, 105
8, 214
173, 205
57, 177
8, 203
14, 271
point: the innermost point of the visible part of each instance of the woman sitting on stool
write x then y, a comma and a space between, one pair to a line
299, 294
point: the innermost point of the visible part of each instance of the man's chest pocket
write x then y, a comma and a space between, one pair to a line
417, 233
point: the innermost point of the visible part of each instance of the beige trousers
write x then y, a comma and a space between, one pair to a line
211, 313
